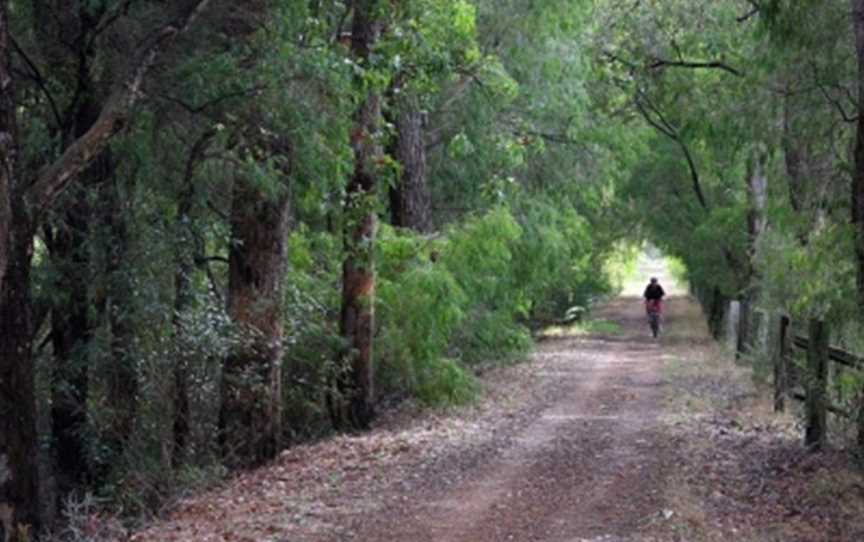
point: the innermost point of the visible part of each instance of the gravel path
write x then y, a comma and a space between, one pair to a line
586, 464
568, 447
586, 443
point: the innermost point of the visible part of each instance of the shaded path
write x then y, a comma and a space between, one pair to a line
587, 466
587, 443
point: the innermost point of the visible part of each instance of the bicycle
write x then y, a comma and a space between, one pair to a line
653, 310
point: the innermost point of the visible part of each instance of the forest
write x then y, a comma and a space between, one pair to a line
228, 228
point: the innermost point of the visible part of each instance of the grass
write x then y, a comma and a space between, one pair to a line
585, 327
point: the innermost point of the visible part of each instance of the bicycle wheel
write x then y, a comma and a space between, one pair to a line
654, 322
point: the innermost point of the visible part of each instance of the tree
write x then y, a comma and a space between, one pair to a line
250, 416
354, 404
30, 199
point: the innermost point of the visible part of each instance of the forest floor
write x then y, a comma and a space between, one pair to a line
605, 435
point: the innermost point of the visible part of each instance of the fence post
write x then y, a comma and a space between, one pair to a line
816, 385
732, 318
781, 373
860, 420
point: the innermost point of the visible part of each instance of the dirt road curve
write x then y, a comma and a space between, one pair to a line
584, 466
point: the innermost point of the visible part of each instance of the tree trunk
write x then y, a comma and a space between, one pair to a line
719, 306
816, 384
251, 415
410, 201
71, 332
744, 339
781, 357
757, 195
186, 251
72, 326
182, 302
18, 439
22, 205
123, 372
8, 141
185, 266
353, 405
858, 173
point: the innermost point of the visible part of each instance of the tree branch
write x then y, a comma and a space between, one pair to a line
40, 81
666, 128
195, 109
54, 178
663, 63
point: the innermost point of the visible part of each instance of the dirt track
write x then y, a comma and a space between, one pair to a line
586, 465
587, 442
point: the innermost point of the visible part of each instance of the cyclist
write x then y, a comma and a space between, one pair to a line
654, 304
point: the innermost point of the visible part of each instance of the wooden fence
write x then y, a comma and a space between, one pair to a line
813, 381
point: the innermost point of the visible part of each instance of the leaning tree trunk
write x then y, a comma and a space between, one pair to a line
353, 404
251, 414
410, 201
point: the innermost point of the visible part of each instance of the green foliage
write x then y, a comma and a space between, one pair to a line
798, 281
553, 260
420, 306
450, 302
312, 340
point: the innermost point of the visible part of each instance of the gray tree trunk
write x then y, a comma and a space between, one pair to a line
410, 200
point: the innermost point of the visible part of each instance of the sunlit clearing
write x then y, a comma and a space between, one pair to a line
653, 263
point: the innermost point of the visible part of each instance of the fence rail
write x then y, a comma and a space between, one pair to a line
814, 381
834, 354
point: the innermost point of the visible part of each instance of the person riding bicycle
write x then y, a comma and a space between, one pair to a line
654, 305
654, 296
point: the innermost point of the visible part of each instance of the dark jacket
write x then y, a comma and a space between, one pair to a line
654, 291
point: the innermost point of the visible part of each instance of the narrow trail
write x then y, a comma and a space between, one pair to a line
588, 465
608, 436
